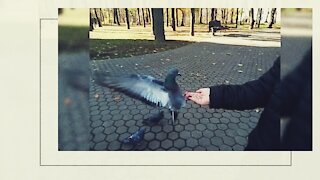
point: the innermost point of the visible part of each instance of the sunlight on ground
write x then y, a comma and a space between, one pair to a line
257, 37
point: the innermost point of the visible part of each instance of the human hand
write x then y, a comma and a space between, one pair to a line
201, 96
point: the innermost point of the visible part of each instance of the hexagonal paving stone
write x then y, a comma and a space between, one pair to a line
233, 126
231, 132
97, 130
190, 127
242, 132
101, 146
95, 118
217, 141
130, 123
166, 144
99, 137
204, 121
208, 133
122, 129
115, 145
110, 130
161, 136
185, 134
238, 147
244, 119
196, 134
197, 115
167, 128
228, 140
200, 127
154, 144
219, 133
112, 137
96, 123
191, 142
133, 129
156, 129
214, 120
149, 136
138, 117
106, 117
134, 112
224, 147
241, 140
204, 142
187, 115
173, 135
117, 117
194, 121
222, 126
119, 123
224, 120
179, 143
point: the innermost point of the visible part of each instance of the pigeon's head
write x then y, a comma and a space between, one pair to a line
174, 72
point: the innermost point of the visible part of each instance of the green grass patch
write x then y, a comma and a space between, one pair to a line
72, 38
118, 48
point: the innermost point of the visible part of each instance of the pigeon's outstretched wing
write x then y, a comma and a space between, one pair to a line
144, 88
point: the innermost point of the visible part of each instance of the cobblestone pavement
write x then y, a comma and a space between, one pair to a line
114, 116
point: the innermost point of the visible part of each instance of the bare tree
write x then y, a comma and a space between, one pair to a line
139, 20
266, 21
91, 21
167, 13
144, 20
97, 17
147, 17
259, 14
207, 13
237, 17
272, 17
192, 21
183, 17
177, 17
127, 18
200, 13
251, 15
157, 24
231, 18
213, 14
149, 14
115, 16
173, 20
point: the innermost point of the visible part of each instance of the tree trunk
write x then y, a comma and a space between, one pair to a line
177, 17
212, 14
251, 18
149, 14
91, 21
157, 24
144, 20
241, 13
237, 16
183, 17
127, 18
266, 21
167, 13
226, 15
259, 14
139, 20
272, 17
231, 18
115, 16
147, 18
98, 19
200, 13
192, 21
173, 24
207, 14
101, 15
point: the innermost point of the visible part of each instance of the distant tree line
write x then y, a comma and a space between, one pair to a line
175, 17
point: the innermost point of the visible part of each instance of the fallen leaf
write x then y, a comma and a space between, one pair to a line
259, 69
229, 54
67, 101
117, 98
96, 96
240, 65
240, 71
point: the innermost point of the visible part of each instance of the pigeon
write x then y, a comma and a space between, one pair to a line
147, 88
154, 118
135, 138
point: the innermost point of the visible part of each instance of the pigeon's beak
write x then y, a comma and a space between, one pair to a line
179, 74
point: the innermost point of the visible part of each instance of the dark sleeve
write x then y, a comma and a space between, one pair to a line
250, 95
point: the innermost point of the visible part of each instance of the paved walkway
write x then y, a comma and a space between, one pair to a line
114, 116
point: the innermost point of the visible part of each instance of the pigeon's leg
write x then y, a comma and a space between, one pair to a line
172, 113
